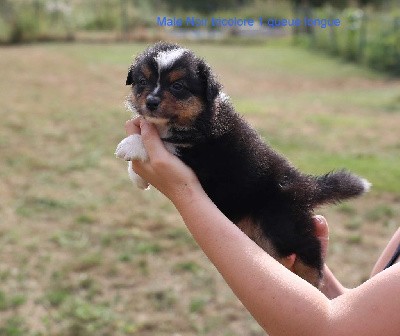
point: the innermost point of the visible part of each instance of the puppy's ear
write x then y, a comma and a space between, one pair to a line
129, 80
210, 83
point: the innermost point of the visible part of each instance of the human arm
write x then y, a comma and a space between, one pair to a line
281, 302
386, 254
330, 285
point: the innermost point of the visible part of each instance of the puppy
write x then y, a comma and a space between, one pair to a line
254, 186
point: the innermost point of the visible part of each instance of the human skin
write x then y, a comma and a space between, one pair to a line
281, 302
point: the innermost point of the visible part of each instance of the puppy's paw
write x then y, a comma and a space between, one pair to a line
131, 148
136, 179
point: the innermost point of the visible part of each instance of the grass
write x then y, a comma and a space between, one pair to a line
85, 253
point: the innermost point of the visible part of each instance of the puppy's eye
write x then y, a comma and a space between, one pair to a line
142, 82
177, 86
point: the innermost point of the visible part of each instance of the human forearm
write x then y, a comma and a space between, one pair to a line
280, 301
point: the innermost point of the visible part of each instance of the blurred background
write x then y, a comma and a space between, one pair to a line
82, 252
368, 33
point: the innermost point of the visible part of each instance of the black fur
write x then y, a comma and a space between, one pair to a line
245, 177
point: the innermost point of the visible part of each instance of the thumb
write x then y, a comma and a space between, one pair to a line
321, 227
322, 233
151, 140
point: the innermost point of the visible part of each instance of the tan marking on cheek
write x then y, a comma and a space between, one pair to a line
132, 98
146, 71
182, 112
141, 99
175, 75
190, 110
169, 106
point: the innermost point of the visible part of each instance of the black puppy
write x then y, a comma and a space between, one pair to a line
254, 186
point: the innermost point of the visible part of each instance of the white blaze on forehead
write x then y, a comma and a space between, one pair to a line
165, 59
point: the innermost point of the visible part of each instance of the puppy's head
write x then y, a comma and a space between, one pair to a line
170, 85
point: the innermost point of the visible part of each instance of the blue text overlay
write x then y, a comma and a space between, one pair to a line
192, 21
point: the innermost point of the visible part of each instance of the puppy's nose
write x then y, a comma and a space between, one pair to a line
152, 102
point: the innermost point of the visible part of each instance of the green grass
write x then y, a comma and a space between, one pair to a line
92, 255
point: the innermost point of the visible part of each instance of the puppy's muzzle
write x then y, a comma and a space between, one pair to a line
152, 102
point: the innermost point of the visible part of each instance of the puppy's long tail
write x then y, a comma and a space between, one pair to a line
338, 185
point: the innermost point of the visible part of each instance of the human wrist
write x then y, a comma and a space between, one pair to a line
185, 194
331, 286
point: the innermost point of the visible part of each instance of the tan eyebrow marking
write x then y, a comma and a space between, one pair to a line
175, 75
146, 71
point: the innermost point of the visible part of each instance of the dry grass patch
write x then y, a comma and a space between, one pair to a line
84, 253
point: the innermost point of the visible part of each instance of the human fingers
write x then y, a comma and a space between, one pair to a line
133, 126
321, 227
152, 142
322, 233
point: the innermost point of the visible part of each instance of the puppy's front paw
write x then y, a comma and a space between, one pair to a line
136, 179
131, 148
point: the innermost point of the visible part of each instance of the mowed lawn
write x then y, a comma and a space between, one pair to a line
82, 252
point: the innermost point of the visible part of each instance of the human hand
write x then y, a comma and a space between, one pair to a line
330, 286
163, 170
322, 233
